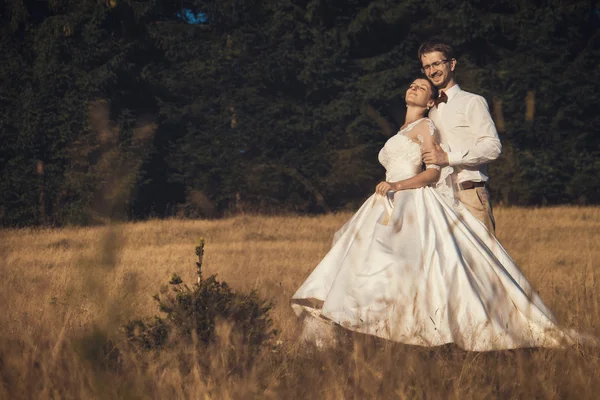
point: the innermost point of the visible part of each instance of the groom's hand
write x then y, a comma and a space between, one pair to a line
435, 155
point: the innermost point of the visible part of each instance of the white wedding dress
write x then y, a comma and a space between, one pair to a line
420, 269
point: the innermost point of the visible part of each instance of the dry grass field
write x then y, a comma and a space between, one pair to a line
63, 291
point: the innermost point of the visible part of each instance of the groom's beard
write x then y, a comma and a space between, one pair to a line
438, 80
436, 75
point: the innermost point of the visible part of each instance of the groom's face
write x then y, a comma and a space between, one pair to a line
438, 68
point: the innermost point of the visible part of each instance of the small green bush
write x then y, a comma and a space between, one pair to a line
191, 314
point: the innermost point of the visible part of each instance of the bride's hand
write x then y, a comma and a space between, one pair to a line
382, 188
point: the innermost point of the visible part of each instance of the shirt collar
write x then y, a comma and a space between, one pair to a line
452, 91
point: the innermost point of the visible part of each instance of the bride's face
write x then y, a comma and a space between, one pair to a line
419, 93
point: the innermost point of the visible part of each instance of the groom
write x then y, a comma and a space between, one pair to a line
464, 122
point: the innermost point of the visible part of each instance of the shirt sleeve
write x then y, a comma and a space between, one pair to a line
487, 147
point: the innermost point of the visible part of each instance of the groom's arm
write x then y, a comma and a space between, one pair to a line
487, 148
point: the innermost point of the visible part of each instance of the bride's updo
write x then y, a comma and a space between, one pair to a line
434, 90
434, 93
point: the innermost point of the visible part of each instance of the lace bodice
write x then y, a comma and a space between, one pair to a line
401, 155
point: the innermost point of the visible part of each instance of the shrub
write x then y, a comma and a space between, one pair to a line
193, 313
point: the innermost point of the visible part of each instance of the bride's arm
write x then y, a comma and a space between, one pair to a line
425, 178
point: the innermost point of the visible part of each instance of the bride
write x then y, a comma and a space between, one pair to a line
414, 266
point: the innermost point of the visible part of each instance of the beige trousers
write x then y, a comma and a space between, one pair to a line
477, 201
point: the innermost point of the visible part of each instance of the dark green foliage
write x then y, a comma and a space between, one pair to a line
147, 335
275, 105
194, 313
98, 350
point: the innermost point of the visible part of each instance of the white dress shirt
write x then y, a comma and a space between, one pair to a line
466, 127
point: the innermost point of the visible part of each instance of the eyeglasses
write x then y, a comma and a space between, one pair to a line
435, 65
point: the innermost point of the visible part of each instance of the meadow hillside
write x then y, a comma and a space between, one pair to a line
63, 291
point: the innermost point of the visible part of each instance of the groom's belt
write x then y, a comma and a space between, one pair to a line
470, 185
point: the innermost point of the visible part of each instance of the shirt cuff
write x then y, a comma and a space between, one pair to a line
454, 158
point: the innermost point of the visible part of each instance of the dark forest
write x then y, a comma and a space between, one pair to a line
122, 109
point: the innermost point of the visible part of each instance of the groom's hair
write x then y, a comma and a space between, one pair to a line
436, 45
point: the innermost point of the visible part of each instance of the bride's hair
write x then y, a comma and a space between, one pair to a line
434, 90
